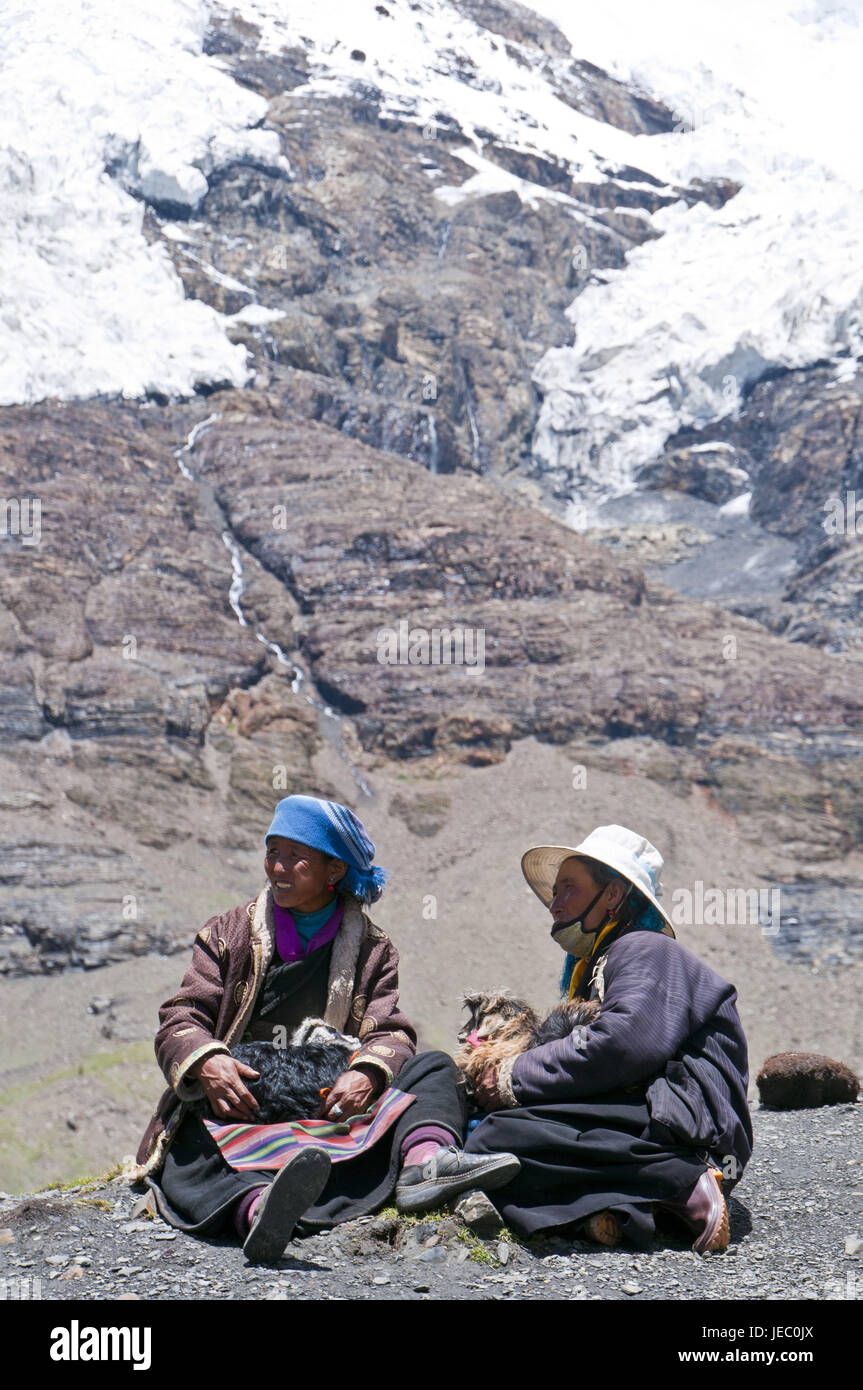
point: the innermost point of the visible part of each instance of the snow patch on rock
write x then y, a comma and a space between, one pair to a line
101, 107
763, 95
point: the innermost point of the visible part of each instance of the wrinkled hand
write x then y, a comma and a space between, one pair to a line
353, 1092
222, 1079
486, 1094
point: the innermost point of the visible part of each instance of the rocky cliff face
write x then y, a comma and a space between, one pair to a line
141, 719
790, 557
201, 618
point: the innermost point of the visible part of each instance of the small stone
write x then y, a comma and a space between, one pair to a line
477, 1211
381, 1279
432, 1240
503, 1252
127, 1298
166, 1235
131, 1227
56, 1259
73, 1272
7, 1236
421, 1288
143, 1208
853, 1244
631, 1288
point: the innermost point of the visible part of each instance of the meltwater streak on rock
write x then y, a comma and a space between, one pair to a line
235, 593
434, 448
329, 722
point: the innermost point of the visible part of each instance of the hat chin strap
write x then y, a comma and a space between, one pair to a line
579, 920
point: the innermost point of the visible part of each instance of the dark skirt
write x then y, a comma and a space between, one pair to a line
197, 1190
586, 1156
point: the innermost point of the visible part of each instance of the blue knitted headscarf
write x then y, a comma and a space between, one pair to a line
333, 829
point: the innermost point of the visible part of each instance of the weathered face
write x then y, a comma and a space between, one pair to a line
574, 889
487, 1013
300, 876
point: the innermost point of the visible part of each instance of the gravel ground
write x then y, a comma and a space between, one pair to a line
796, 1233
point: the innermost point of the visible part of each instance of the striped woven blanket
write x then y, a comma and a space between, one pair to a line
269, 1146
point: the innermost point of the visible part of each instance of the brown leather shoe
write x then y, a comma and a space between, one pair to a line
604, 1228
704, 1212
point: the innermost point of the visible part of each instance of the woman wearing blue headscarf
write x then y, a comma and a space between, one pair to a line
305, 948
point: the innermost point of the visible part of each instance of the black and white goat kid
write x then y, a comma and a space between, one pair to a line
291, 1078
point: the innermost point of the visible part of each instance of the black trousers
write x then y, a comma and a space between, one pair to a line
585, 1156
198, 1190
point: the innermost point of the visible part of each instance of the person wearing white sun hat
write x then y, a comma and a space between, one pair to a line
644, 1112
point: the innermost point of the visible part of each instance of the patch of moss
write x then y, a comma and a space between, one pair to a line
87, 1183
485, 1253
408, 1219
477, 1251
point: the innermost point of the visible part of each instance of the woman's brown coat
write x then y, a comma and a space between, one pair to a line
217, 998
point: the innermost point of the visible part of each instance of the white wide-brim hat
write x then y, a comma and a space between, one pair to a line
627, 854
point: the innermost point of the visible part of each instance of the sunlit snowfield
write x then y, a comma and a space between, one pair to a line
99, 103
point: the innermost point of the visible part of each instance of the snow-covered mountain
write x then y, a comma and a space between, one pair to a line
103, 111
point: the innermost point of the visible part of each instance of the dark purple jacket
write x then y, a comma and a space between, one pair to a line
666, 1019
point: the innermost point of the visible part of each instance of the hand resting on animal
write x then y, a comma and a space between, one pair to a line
499, 1027
284, 1083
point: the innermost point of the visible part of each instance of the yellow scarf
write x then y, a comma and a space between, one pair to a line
581, 965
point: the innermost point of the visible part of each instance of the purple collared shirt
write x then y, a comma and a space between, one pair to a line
290, 944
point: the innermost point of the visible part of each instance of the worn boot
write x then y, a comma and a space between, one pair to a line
294, 1189
449, 1172
704, 1211
603, 1228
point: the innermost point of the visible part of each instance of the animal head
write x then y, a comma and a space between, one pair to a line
315, 1030
493, 1014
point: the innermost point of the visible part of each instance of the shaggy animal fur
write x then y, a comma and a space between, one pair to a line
803, 1080
500, 1026
291, 1078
